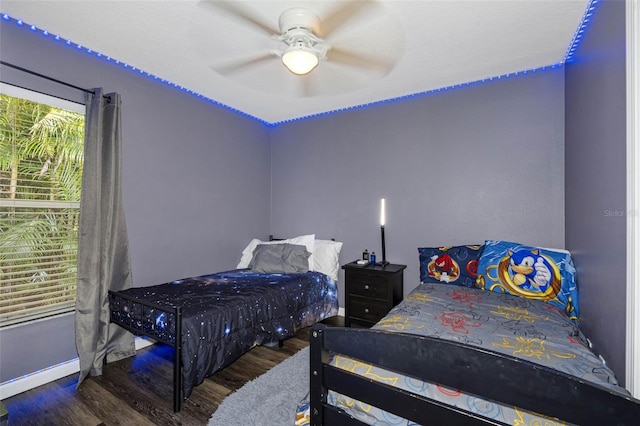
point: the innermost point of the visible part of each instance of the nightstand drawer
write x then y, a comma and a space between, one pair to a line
367, 309
370, 292
369, 286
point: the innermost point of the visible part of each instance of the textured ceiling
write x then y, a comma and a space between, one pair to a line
220, 49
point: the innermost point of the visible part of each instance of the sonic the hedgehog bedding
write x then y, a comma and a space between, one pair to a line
525, 328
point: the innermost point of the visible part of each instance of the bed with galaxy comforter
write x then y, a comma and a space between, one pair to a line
503, 350
212, 320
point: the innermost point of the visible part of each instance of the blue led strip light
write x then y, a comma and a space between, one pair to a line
428, 92
568, 57
577, 37
124, 65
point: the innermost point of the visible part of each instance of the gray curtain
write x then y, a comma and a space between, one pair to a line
103, 248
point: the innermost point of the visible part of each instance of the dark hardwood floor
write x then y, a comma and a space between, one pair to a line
138, 390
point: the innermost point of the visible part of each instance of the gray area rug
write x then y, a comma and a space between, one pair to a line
270, 399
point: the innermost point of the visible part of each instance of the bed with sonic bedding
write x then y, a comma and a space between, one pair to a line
489, 336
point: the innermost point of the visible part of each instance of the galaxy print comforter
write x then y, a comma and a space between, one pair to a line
227, 313
524, 328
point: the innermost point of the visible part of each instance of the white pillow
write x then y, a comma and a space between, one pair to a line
326, 258
305, 240
247, 254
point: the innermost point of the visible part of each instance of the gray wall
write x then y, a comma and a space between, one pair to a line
596, 180
196, 176
459, 167
483, 162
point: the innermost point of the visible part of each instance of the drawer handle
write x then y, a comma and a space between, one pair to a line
366, 286
366, 310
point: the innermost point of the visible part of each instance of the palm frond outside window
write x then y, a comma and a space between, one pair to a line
41, 158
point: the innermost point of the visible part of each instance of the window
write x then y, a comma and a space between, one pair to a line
41, 158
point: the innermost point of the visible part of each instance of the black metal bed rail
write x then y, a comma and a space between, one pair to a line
487, 374
161, 323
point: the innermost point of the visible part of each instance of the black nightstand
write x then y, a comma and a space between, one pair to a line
371, 291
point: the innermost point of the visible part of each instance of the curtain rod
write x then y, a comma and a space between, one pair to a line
50, 78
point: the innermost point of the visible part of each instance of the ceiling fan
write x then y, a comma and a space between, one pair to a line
304, 40
304, 49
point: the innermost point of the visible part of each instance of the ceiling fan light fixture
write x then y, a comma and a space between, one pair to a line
300, 59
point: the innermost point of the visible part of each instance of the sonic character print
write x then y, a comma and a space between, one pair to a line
531, 274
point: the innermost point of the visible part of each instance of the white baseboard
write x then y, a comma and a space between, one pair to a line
340, 312
38, 378
50, 374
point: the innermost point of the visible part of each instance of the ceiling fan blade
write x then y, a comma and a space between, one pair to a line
352, 58
241, 12
343, 13
239, 63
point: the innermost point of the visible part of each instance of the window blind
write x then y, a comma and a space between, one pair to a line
41, 157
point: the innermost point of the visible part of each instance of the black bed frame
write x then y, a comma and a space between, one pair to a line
488, 374
139, 323
140, 320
